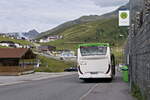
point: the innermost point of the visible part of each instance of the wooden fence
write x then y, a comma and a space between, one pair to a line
15, 70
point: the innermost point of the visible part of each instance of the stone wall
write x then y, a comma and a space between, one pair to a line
137, 49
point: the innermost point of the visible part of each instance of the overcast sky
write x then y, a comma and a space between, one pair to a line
42, 15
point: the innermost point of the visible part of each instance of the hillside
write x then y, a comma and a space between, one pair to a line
91, 29
81, 20
23, 42
69, 24
105, 30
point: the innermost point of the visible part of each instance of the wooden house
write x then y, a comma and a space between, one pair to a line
16, 61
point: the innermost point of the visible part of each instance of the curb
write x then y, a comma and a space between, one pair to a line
50, 75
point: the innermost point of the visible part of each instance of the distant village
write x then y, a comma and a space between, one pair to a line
46, 49
19, 36
50, 38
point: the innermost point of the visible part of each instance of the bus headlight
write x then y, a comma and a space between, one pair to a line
83, 63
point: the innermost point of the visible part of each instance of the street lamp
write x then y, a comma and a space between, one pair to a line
120, 35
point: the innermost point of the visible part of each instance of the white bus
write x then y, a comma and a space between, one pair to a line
95, 61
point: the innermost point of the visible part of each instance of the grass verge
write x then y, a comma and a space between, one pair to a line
3, 47
118, 52
52, 65
137, 93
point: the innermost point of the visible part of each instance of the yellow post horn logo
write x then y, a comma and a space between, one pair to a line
123, 15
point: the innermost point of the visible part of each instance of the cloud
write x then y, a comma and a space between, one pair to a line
110, 3
23, 15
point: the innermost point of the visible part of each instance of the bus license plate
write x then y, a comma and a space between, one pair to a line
94, 72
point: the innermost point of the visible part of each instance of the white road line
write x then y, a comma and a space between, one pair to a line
36, 78
89, 91
12, 83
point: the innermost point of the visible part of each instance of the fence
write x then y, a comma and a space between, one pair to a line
137, 50
15, 70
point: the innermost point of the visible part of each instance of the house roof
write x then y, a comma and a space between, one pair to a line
12, 52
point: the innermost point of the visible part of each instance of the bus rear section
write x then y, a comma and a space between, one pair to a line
94, 61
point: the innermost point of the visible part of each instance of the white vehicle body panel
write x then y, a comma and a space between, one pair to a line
97, 66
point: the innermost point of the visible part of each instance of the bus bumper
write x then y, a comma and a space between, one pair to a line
92, 76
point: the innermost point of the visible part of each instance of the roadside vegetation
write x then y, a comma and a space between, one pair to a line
137, 93
3, 47
118, 52
52, 65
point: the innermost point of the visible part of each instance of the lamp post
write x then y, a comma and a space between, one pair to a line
118, 51
121, 36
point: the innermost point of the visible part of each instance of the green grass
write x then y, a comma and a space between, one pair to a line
137, 93
52, 65
104, 31
23, 42
3, 47
118, 52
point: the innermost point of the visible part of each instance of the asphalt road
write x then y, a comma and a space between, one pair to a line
66, 88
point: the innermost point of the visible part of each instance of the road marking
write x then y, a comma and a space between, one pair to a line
54, 75
12, 83
89, 91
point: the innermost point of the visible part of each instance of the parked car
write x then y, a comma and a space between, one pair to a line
71, 69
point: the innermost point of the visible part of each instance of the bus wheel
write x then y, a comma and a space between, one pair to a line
110, 79
85, 80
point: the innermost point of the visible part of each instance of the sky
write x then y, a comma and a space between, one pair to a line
42, 15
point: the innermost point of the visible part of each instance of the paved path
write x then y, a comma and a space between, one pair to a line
8, 80
115, 90
67, 87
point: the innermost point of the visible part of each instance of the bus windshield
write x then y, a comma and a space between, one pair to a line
93, 50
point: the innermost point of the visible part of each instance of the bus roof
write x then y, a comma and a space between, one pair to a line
94, 44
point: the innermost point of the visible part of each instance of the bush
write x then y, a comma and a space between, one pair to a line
137, 93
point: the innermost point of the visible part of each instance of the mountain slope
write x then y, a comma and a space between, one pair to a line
81, 20
105, 30
64, 26
31, 34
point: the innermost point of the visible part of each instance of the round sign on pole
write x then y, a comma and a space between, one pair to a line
124, 19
